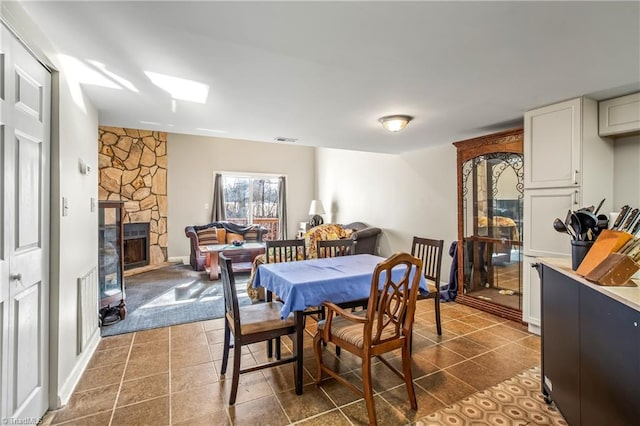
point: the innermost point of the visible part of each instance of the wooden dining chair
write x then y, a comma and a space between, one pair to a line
284, 251
430, 252
383, 327
249, 324
335, 248
277, 251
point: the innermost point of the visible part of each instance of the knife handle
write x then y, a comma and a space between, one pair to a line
628, 246
635, 252
635, 229
623, 213
631, 217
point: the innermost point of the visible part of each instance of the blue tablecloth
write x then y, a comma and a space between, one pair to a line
308, 283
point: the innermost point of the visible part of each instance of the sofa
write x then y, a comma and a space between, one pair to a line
221, 232
365, 236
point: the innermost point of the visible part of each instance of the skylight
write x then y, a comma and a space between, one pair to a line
180, 88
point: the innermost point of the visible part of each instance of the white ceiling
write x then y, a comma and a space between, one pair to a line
324, 72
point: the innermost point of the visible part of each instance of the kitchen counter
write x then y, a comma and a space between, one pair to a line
590, 347
628, 295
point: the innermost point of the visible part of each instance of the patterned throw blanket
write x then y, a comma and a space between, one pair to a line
325, 232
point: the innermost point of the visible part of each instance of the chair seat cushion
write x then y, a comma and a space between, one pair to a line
263, 317
352, 332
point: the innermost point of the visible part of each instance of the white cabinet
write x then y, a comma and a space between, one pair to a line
567, 166
552, 137
562, 148
531, 307
620, 116
541, 207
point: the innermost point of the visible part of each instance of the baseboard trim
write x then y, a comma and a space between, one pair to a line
66, 390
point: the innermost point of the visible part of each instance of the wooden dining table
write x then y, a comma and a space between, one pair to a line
306, 283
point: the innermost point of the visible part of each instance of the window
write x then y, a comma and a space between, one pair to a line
252, 199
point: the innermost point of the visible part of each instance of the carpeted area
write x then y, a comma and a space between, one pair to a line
173, 295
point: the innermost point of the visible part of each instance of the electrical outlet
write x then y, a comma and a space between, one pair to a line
65, 206
206, 206
93, 204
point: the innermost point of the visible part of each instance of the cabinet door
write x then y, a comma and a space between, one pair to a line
620, 115
552, 143
609, 360
531, 294
561, 342
541, 207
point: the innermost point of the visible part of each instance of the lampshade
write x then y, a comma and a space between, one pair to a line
316, 207
395, 123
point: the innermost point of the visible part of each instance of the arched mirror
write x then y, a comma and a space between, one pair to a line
490, 210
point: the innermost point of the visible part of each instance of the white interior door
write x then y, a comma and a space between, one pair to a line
25, 90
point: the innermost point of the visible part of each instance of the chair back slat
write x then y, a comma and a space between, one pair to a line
335, 248
277, 251
430, 252
392, 307
229, 287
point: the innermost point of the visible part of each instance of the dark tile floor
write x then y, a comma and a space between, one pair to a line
171, 376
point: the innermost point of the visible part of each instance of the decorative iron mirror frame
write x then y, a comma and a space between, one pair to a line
496, 145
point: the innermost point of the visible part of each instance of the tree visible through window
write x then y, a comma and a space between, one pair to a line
252, 200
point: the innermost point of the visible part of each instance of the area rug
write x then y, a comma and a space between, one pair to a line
173, 295
516, 401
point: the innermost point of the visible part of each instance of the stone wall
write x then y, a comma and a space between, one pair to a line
133, 168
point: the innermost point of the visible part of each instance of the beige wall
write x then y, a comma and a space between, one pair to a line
405, 195
193, 161
626, 172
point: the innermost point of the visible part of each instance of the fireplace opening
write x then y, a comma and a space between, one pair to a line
136, 245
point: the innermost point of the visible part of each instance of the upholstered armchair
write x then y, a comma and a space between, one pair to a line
221, 232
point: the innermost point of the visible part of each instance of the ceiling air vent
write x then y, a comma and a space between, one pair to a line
281, 139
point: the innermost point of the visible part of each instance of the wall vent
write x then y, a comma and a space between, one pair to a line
87, 309
281, 139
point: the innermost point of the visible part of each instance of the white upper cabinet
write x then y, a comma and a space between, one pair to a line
562, 149
620, 116
552, 142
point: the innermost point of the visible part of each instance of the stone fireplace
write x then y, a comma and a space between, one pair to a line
133, 168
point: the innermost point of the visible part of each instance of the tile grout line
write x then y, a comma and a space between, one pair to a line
126, 364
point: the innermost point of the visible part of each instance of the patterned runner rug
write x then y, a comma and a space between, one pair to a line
516, 401
173, 295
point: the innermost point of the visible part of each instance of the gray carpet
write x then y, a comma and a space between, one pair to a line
173, 295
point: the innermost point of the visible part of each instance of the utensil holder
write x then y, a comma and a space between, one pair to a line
608, 241
579, 250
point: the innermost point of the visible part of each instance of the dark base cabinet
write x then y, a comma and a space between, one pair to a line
609, 362
590, 353
561, 343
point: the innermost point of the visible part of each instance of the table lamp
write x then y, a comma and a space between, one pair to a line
315, 210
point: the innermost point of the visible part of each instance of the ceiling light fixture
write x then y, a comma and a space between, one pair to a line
395, 123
